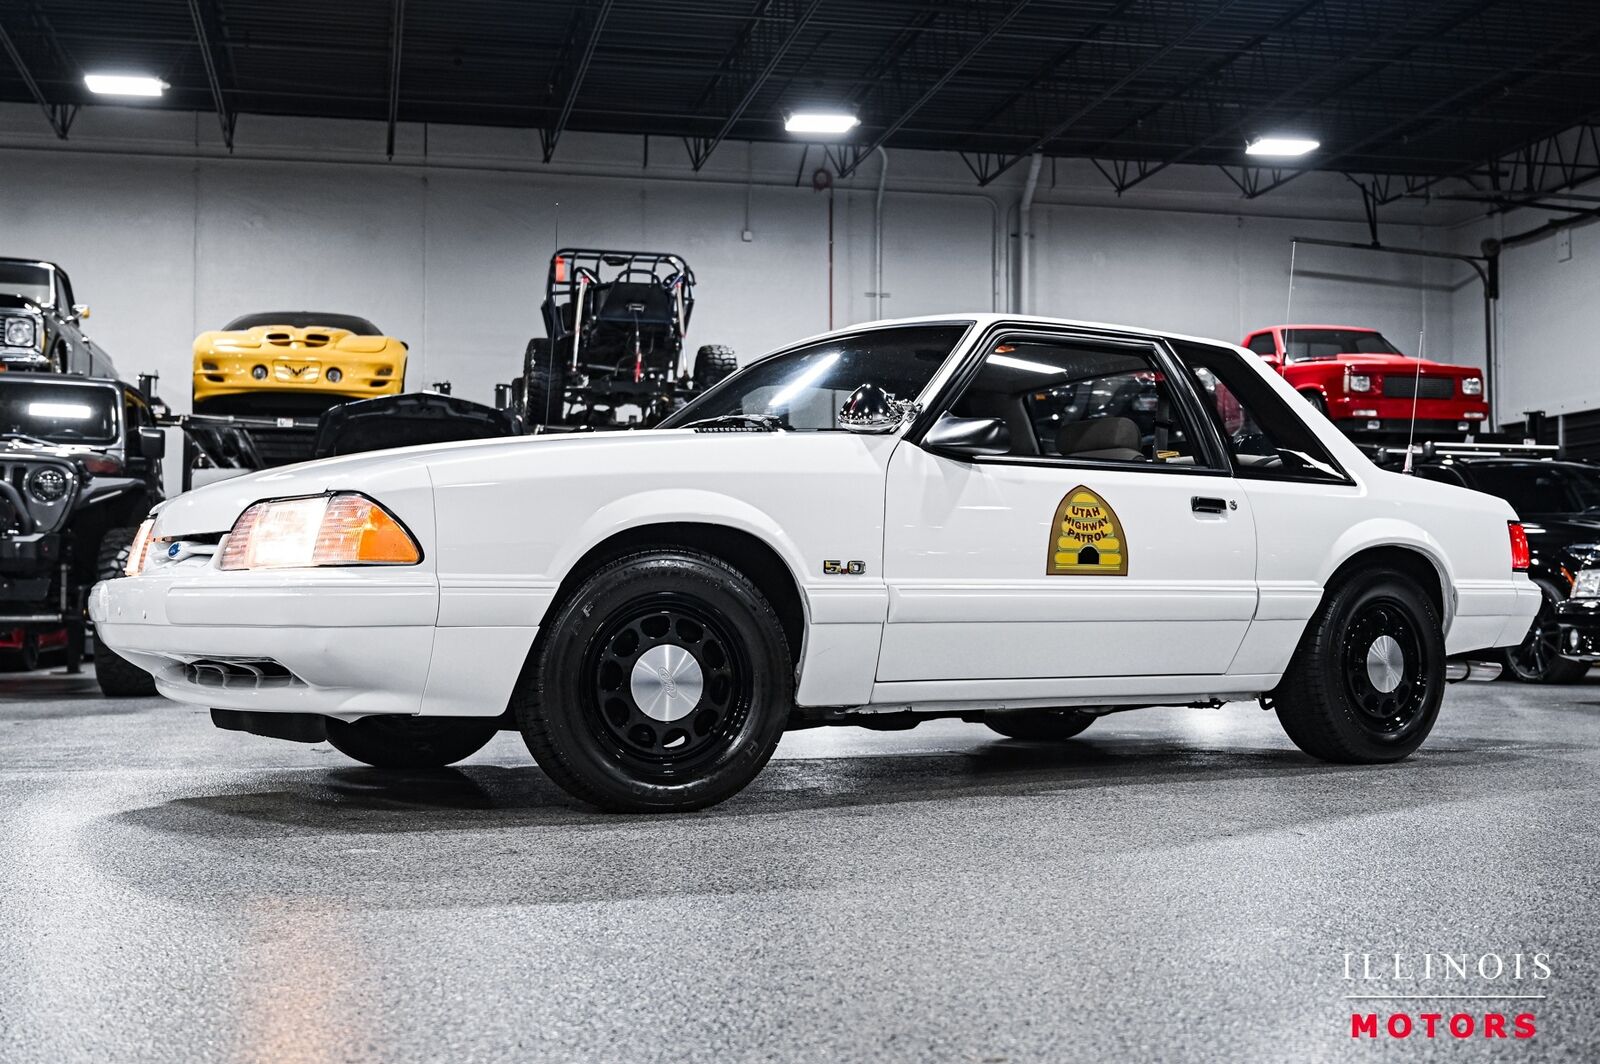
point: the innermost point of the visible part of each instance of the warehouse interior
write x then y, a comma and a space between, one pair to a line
1191, 882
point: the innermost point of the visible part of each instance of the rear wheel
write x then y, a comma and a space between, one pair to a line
1537, 659
1045, 725
712, 363
544, 385
118, 677
1367, 680
664, 684
411, 742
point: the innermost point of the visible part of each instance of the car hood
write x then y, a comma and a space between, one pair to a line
214, 508
1391, 364
12, 301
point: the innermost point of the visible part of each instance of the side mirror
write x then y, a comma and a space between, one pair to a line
152, 444
968, 437
80, 311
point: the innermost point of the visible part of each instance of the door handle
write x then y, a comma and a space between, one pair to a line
1206, 504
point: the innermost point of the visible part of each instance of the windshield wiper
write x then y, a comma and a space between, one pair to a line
25, 438
759, 422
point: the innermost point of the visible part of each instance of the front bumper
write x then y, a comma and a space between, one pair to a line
361, 376
1375, 413
344, 643
1578, 625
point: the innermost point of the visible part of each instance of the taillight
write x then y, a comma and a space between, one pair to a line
1521, 553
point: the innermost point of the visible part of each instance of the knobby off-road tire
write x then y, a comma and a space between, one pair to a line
1044, 725
544, 385
712, 363
118, 677
1366, 682
411, 742
663, 684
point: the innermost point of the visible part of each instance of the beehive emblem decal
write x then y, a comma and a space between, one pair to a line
1086, 538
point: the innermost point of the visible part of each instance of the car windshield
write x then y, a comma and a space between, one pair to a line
1537, 488
60, 413
803, 388
304, 319
27, 279
1302, 345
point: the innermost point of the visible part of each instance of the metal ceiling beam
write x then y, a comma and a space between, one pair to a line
397, 23
574, 81
759, 53
951, 69
59, 115
1119, 39
225, 115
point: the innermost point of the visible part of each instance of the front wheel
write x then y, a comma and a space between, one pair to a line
1366, 682
1537, 659
663, 684
1316, 400
1046, 725
411, 742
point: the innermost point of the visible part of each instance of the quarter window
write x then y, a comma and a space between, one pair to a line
1264, 436
1081, 401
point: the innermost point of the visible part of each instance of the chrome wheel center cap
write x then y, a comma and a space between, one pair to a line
1386, 663
666, 683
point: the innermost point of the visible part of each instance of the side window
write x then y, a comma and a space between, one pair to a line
1079, 401
63, 293
1263, 344
1265, 437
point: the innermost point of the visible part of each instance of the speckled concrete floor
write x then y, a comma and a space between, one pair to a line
1175, 885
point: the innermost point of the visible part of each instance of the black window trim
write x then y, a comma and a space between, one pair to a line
1218, 460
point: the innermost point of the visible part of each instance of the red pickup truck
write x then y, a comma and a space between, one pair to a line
1366, 386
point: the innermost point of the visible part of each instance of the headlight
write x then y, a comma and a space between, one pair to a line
258, 372
19, 332
340, 529
141, 547
1358, 382
47, 485
1587, 585
1472, 386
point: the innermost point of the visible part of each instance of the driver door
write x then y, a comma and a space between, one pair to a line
1110, 540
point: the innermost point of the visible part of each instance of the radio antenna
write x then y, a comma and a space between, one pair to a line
1416, 384
1288, 307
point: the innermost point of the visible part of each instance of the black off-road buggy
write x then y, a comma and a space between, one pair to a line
615, 322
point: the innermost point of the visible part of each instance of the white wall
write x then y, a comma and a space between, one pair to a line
166, 235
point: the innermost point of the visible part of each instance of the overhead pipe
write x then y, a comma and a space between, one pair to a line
1025, 231
877, 240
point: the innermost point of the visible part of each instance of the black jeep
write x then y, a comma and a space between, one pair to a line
41, 328
80, 468
615, 322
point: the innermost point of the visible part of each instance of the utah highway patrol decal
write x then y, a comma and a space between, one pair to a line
1086, 538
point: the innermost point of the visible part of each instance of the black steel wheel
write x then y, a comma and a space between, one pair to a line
664, 684
1537, 659
1045, 725
1367, 679
411, 742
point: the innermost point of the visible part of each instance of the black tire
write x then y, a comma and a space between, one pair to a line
1316, 400
1537, 659
544, 386
579, 704
712, 363
1042, 725
25, 659
118, 677
1331, 700
411, 742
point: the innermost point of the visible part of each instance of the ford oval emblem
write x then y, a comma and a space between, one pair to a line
173, 551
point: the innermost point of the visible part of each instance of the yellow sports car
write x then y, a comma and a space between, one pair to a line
294, 362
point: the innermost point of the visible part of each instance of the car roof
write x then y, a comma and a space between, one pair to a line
986, 318
29, 262
1340, 328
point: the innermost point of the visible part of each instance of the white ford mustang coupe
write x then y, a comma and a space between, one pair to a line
1022, 522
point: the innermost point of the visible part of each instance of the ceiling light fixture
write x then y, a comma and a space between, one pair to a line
124, 85
825, 122
1286, 147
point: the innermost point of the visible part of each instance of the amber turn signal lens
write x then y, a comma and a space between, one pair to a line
357, 531
141, 547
